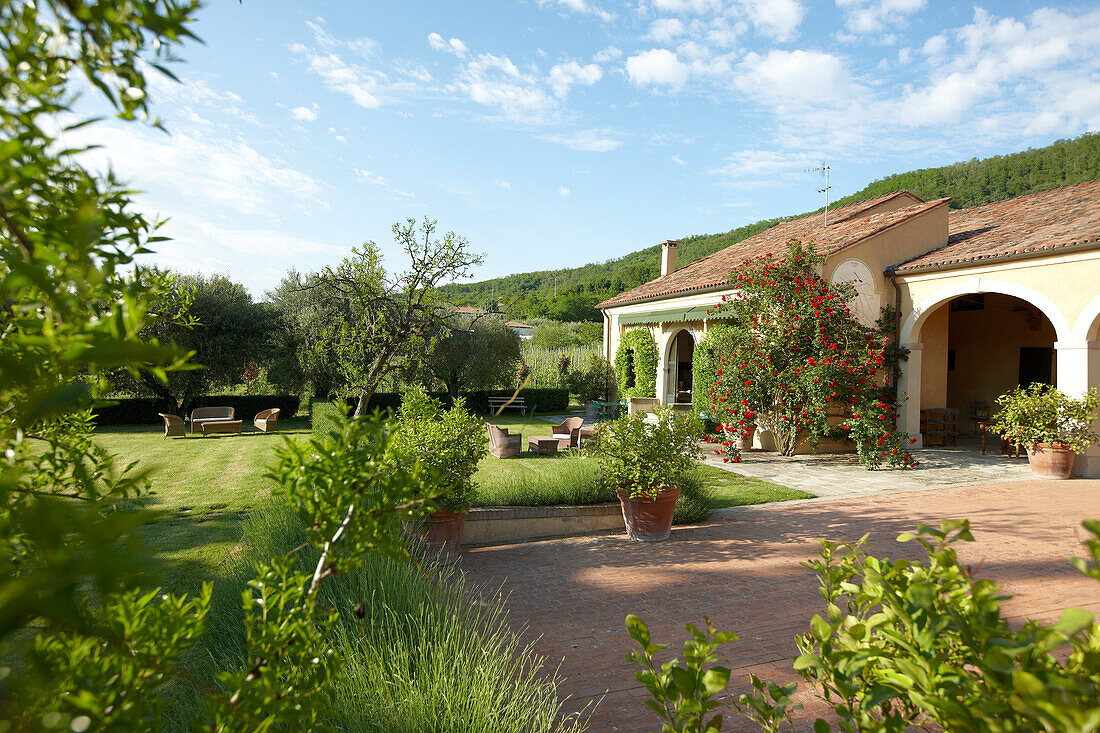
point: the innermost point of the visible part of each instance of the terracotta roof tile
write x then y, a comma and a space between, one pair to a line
1037, 222
846, 227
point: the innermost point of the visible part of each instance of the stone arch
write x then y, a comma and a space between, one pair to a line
1087, 326
911, 328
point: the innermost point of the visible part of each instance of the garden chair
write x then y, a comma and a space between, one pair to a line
173, 426
209, 414
565, 435
265, 420
503, 445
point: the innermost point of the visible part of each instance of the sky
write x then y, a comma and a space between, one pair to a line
553, 133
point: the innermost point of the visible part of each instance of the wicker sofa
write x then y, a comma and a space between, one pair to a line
202, 415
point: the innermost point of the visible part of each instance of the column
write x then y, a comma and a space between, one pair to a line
909, 393
1079, 371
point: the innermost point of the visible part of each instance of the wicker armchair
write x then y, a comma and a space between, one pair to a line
266, 421
173, 426
565, 434
503, 445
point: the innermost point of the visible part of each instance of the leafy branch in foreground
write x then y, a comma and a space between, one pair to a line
906, 644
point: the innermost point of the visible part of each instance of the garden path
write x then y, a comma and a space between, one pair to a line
840, 475
743, 569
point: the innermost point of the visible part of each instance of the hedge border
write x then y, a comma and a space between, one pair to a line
637, 349
143, 410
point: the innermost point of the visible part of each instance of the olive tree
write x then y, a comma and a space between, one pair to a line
470, 354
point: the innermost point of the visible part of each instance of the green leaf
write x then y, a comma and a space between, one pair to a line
715, 680
637, 630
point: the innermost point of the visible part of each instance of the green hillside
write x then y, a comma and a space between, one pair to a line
579, 289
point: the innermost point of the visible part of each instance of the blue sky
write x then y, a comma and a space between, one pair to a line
552, 133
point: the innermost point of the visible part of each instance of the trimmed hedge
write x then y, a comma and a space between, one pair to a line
543, 400
637, 358
143, 410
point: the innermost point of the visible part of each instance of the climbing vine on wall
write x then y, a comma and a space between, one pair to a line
636, 364
717, 343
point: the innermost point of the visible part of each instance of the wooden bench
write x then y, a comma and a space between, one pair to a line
495, 403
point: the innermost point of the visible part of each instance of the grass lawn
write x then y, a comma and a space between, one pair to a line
569, 479
203, 488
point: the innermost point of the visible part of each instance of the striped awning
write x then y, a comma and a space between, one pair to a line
674, 315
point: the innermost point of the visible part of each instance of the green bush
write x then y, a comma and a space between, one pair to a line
715, 345
591, 380
448, 442
646, 457
905, 645
695, 502
1042, 414
636, 364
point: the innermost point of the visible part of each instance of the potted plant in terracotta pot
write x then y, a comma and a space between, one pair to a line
645, 462
1051, 425
448, 444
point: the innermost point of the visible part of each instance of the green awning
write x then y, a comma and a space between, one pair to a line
674, 315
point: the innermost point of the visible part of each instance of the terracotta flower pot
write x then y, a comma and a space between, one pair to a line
1051, 460
442, 533
648, 520
745, 441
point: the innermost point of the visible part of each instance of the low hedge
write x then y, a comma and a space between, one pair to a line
143, 410
543, 400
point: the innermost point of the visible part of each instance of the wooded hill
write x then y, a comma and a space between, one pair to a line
970, 183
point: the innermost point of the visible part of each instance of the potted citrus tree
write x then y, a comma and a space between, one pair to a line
645, 461
448, 443
1051, 425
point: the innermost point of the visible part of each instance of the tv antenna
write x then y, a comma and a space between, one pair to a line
824, 170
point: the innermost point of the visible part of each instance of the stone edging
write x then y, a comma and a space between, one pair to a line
496, 525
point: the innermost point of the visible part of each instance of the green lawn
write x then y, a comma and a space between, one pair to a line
204, 487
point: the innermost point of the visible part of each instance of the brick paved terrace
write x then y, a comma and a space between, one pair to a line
742, 569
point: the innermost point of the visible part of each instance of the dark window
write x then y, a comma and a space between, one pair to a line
950, 360
1036, 365
975, 302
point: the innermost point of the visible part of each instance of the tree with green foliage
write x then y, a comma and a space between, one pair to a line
473, 354
379, 322
90, 643
301, 318
225, 333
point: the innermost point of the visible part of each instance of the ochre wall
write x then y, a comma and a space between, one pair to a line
933, 387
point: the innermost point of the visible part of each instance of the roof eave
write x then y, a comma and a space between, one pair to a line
979, 261
665, 296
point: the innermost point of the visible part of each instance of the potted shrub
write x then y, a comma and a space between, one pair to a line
645, 462
1052, 426
449, 444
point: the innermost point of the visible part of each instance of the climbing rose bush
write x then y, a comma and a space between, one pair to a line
801, 366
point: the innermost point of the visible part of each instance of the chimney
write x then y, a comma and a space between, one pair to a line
668, 256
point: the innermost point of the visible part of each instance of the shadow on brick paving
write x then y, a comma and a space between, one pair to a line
743, 570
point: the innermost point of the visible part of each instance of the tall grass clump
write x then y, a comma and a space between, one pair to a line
696, 500
421, 650
546, 482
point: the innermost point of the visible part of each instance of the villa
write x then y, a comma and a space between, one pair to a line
988, 297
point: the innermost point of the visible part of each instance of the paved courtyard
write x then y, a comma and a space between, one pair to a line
839, 475
742, 569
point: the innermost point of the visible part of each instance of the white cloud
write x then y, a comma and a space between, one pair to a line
370, 178
368, 87
677, 160
495, 81
563, 76
305, 114
608, 54
1048, 64
764, 167
202, 168
792, 75
589, 141
455, 46
863, 17
778, 19
665, 30
502, 184
698, 7
658, 66
563, 192
580, 6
